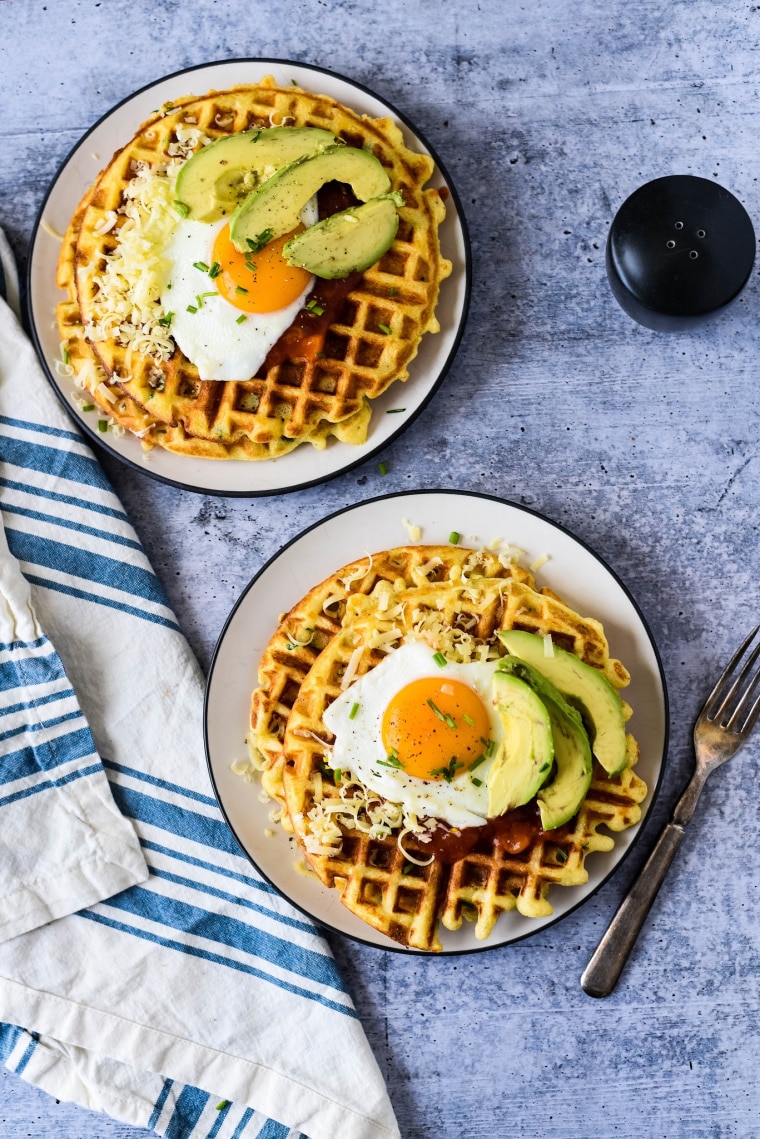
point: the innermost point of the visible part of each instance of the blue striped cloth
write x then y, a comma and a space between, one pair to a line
145, 969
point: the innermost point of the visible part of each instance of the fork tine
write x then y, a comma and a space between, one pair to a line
735, 689
713, 713
752, 715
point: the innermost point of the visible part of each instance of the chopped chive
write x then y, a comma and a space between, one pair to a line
213, 293
395, 410
182, 209
191, 308
337, 776
383, 468
439, 659
391, 760
88, 407
65, 355
240, 289
317, 310
321, 355
215, 270
560, 854
166, 319
490, 748
204, 268
436, 710
293, 83
102, 426
476, 782
256, 244
477, 762
384, 328
451, 722
392, 291
354, 710
449, 771
407, 868
455, 537
468, 719
256, 136
241, 319
199, 299
222, 1104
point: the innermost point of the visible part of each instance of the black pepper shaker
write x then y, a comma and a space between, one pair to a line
680, 250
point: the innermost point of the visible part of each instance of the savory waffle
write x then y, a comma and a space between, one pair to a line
393, 892
324, 391
311, 624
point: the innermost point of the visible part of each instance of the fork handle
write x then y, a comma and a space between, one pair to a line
606, 965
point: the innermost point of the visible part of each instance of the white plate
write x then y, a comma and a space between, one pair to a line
573, 571
304, 466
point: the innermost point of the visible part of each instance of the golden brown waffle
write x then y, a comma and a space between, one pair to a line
489, 881
375, 880
368, 346
311, 624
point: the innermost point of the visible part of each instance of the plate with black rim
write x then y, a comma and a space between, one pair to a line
304, 466
572, 570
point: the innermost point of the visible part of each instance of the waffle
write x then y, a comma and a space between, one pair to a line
389, 891
311, 624
373, 337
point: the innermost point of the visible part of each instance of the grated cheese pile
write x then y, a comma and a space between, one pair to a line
130, 283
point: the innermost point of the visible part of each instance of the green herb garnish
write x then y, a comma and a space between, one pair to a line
256, 244
166, 319
354, 710
204, 268
102, 426
182, 209
476, 782
477, 762
240, 289
215, 270
449, 771
88, 407
468, 719
391, 760
455, 537
383, 468
439, 659
560, 854
241, 319
191, 308
395, 410
385, 329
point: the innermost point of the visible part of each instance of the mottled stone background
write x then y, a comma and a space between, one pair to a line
547, 115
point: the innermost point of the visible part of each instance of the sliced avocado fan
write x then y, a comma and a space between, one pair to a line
560, 798
585, 687
525, 756
274, 207
219, 176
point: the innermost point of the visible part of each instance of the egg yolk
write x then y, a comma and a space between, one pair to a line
435, 728
257, 282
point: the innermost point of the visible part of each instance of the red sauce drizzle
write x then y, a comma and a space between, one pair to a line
513, 832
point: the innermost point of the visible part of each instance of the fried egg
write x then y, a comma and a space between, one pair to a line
227, 309
420, 734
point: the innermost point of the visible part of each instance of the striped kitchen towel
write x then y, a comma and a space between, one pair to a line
146, 970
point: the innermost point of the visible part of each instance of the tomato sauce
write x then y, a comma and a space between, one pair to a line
513, 833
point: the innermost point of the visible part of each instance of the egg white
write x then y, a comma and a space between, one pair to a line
211, 338
358, 742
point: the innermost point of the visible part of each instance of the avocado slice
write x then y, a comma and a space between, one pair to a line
559, 799
525, 758
585, 687
218, 176
347, 242
275, 206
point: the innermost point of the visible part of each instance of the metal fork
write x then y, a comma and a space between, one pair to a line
723, 726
